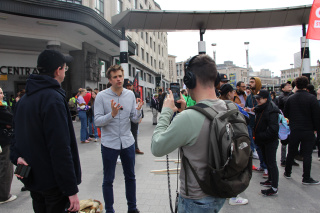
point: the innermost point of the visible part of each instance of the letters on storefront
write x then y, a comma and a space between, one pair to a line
10, 70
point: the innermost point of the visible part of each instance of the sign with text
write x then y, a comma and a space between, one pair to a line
11, 70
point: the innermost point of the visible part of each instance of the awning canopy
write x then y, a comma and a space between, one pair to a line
164, 20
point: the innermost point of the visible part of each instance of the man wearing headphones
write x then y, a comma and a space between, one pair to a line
201, 80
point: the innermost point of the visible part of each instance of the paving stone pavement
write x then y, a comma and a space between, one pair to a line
152, 189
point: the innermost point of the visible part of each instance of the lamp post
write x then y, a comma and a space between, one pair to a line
214, 52
246, 44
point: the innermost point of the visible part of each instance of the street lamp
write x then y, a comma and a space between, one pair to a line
214, 52
247, 53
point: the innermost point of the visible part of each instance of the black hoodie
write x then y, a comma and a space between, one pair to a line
45, 138
266, 124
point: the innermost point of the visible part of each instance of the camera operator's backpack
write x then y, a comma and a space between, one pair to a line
229, 168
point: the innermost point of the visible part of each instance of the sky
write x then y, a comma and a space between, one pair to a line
269, 48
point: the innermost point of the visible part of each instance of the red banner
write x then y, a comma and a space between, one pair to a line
314, 21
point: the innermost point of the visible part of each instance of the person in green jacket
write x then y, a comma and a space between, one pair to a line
187, 98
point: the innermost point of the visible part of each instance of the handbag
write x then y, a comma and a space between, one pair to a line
284, 129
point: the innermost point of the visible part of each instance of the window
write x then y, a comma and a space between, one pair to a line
100, 7
151, 60
135, 4
141, 7
119, 6
154, 46
137, 49
144, 77
150, 42
129, 69
159, 48
142, 35
159, 65
146, 2
162, 51
155, 63
147, 57
146, 38
142, 53
134, 72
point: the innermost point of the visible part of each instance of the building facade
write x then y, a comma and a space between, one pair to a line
172, 68
234, 73
291, 74
81, 29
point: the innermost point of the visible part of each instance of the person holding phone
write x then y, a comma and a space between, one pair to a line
45, 139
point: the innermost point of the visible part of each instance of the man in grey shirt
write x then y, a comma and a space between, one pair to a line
114, 109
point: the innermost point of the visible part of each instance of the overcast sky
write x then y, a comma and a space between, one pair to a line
269, 48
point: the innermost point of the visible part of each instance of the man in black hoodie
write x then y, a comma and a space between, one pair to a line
44, 138
303, 111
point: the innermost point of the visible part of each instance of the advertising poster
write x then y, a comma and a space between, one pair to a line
233, 79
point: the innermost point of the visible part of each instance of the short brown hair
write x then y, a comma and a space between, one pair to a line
204, 69
113, 68
302, 82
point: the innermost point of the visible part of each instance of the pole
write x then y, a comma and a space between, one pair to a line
124, 53
305, 56
201, 43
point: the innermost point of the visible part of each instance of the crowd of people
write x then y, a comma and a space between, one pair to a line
44, 137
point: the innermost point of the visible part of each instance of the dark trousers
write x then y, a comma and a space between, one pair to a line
73, 115
134, 131
109, 159
6, 173
307, 141
49, 201
269, 152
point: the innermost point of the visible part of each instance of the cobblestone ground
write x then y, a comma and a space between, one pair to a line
152, 189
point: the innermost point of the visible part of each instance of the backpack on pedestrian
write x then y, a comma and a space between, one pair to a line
284, 129
71, 104
229, 169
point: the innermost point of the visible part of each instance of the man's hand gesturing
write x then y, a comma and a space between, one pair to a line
140, 103
115, 108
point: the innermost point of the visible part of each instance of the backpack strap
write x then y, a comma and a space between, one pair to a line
205, 110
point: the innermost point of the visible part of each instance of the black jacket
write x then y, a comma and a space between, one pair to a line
154, 103
283, 99
266, 124
45, 138
5, 132
303, 111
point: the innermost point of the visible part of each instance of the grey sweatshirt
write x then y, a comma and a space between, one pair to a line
115, 132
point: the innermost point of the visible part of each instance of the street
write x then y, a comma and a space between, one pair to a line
152, 189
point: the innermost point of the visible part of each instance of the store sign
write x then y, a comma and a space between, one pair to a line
10, 70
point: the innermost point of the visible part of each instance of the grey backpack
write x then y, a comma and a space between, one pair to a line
229, 168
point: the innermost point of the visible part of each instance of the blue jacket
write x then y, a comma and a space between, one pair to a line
45, 138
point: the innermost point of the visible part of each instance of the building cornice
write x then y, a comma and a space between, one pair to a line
66, 12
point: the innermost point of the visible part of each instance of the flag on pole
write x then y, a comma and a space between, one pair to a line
136, 83
314, 21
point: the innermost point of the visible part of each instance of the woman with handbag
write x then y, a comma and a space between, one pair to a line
82, 108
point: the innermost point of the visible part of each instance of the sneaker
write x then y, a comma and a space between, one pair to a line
310, 181
269, 192
287, 175
12, 198
254, 167
265, 175
118, 161
23, 189
89, 139
283, 164
86, 141
96, 139
139, 152
259, 169
295, 163
266, 183
255, 155
238, 201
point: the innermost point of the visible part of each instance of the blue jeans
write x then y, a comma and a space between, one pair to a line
254, 146
90, 123
109, 158
83, 131
204, 205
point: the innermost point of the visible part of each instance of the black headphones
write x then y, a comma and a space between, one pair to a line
190, 79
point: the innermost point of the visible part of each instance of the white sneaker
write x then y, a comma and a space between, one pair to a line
255, 155
237, 201
12, 198
118, 161
96, 139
